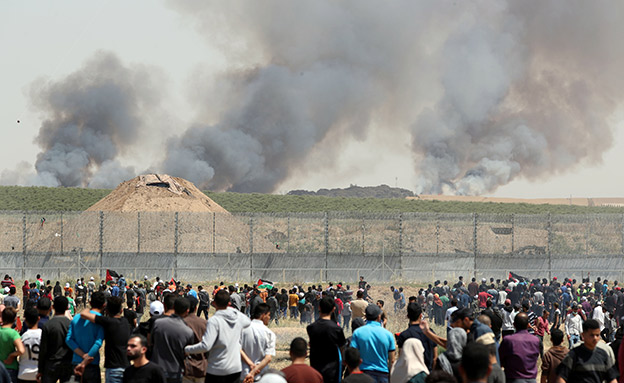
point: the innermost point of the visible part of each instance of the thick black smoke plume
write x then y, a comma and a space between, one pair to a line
91, 117
487, 91
482, 92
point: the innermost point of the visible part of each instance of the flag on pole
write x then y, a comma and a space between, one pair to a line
111, 275
516, 276
264, 284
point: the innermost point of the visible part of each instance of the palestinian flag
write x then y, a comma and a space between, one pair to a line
111, 275
173, 282
264, 284
517, 277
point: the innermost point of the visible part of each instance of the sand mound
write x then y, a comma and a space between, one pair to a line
157, 192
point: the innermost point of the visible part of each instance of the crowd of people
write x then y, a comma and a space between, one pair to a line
490, 331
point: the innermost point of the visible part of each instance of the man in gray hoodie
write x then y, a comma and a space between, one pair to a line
222, 341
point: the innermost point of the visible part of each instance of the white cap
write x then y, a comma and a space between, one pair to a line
145, 277
67, 284
236, 285
92, 278
157, 308
7, 289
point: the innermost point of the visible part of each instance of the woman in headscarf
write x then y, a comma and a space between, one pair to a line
410, 367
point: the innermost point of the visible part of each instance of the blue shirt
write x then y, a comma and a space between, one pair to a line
115, 291
86, 336
192, 293
374, 344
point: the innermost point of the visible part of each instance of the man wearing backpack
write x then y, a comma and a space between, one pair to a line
204, 302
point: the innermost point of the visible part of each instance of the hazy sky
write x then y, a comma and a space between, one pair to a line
46, 41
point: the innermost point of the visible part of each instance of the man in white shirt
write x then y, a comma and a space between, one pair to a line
574, 326
599, 316
258, 344
28, 361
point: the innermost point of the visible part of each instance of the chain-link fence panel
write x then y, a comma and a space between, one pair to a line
158, 232
196, 232
569, 234
494, 233
530, 234
307, 233
457, 234
271, 233
81, 231
11, 231
604, 234
44, 232
121, 232
233, 233
419, 233
346, 232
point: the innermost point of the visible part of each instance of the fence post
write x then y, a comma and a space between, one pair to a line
513, 231
24, 246
622, 233
363, 235
549, 228
437, 235
61, 233
288, 235
326, 242
101, 250
251, 247
474, 238
175, 246
138, 232
401, 244
214, 233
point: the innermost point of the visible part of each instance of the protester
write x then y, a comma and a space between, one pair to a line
55, 356
222, 341
299, 371
85, 339
587, 362
414, 330
141, 370
195, 365
574, 326
170, 335
376, 346
410, 366
204, 302
116, 334
353, 362
553, 357
519, 352
326, 341
475, 365
31, 339
258, 344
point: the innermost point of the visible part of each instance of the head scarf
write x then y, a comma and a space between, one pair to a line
411, 362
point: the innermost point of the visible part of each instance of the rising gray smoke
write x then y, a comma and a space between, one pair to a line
91, 117
489, 91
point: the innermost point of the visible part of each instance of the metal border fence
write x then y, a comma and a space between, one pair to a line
330, 246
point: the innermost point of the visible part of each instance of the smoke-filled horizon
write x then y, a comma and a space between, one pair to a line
486, 92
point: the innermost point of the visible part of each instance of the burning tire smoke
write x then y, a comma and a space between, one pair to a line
484, 92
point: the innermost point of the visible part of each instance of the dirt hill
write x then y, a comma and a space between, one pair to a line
157, 192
